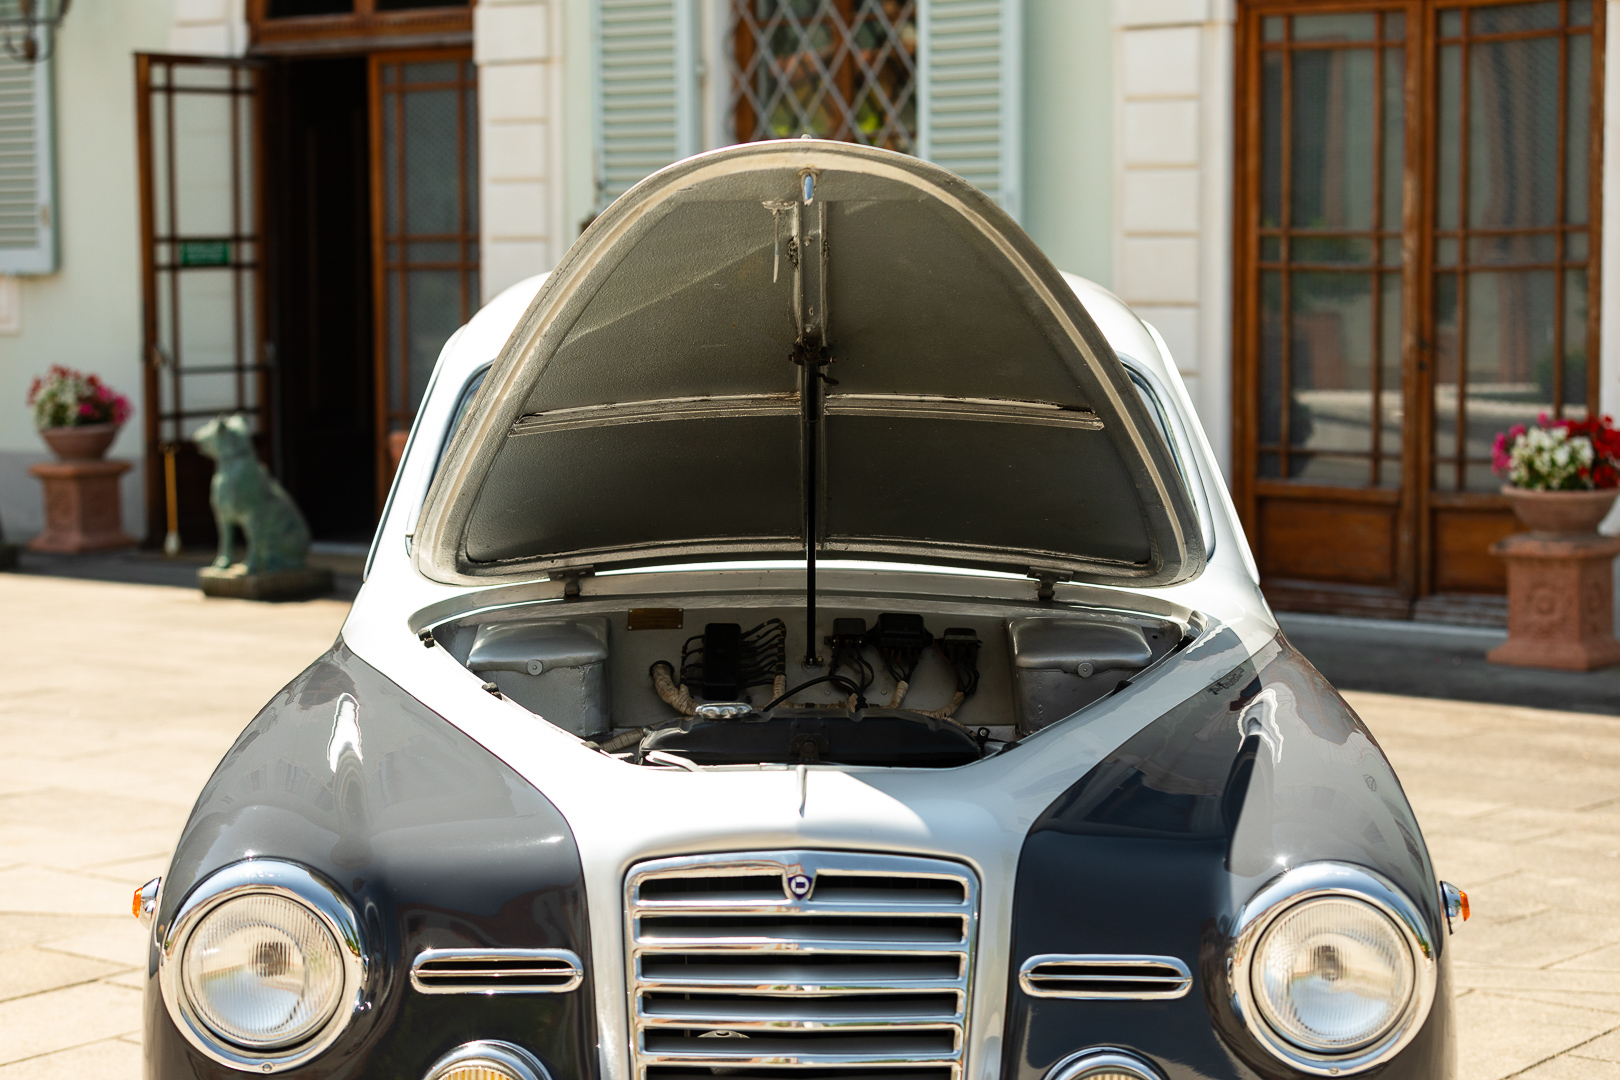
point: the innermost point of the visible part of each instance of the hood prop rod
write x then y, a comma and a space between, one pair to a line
811, 353
811, 356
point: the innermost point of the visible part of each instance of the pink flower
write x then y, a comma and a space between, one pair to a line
1500, 461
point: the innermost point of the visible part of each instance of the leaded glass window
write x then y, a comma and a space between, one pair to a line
835, 69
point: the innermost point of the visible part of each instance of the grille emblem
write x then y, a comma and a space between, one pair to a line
799, 885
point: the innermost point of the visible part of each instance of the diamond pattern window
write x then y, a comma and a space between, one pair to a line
835, 69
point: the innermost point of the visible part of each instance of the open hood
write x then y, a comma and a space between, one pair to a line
808, 338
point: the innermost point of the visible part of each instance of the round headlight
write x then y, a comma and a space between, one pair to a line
1332, 975
263, 965
1332, 968
263, 971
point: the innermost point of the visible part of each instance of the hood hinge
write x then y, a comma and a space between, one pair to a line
571, 576
1047, 586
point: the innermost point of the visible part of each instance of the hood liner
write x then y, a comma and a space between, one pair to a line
651, 405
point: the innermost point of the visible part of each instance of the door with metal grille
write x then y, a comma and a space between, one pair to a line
1416, 261
199, 121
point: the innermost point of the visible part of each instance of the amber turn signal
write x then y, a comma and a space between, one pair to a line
144, 906
1455, 902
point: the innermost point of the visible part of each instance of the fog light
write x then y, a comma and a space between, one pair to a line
488, 1061
1104, 1063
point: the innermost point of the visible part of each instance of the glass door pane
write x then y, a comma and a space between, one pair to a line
1512, 214
1332, 158
425, 194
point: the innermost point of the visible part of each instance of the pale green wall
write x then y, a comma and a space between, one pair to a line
1069, 133
88, 314
1068, 129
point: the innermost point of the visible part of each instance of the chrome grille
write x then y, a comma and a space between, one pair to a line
863, 975
496, 971
1105, 977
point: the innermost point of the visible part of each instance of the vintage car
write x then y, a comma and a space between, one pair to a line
808, 639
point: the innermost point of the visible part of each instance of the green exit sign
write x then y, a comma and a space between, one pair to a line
205, 253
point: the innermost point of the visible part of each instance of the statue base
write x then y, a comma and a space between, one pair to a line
235, 583
1560, 601
82, 508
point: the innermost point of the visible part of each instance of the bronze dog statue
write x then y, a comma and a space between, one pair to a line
244, 495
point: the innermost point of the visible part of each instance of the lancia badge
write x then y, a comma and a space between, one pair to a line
799, 885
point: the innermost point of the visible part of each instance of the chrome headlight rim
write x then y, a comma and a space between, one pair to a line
272, 877
506, 1057
1313, 881
1101, 1061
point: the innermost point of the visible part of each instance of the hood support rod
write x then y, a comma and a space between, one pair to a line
811, 354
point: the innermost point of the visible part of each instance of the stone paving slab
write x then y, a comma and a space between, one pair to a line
117, 700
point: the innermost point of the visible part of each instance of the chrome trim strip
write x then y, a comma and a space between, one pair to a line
936, 407
1103, 1061
787, 1005
502, 1057
719, 407
1173, 984
565, 964
1308, 882
731, 406
272, 876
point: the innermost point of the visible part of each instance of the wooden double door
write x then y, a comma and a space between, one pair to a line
1417, 269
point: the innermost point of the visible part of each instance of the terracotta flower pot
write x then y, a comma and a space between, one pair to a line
1561, 512
88, 442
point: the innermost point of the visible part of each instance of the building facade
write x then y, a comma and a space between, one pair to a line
1370, 232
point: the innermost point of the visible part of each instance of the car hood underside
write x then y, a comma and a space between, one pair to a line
805, 339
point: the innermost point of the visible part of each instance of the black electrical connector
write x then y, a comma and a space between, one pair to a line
722, 661
959, 645
848, 640
899, 638
725, 660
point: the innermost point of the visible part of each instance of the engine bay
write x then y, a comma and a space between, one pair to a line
712, 686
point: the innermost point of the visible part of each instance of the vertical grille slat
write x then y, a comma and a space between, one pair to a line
800, 965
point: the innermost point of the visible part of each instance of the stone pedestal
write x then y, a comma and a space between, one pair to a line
83, 511
236, 583
1560, 601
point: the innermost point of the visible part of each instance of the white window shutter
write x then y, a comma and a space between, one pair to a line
646, 90
27, 168
970, 103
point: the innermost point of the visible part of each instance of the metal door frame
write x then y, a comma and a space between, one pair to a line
167, 449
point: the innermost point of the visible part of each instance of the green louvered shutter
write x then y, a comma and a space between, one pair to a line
646, 90
27, 169
970, 115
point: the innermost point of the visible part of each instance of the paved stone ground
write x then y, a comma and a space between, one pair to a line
116, 701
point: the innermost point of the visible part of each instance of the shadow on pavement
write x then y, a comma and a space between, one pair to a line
154, 568
1439, 661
